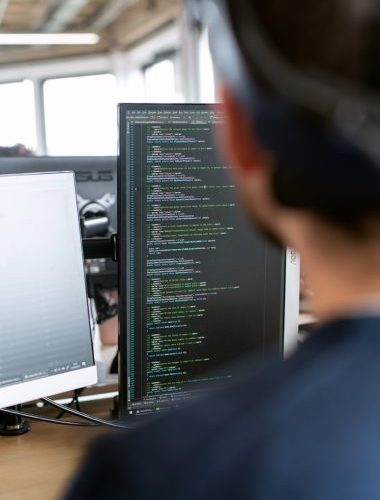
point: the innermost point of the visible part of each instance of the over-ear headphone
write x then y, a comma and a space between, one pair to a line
324, 133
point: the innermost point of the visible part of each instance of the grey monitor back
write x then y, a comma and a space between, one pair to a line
96, 178
96, 183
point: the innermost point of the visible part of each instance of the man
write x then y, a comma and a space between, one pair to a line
301, 97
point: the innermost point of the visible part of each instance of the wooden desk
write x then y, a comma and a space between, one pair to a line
37, 465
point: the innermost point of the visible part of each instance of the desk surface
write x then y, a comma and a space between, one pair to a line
37, 465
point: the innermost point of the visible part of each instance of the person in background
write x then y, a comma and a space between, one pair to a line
106, 304
16, 150
300, 85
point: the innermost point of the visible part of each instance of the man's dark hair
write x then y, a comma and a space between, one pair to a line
335, 38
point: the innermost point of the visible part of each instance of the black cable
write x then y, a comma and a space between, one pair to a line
75, 399
77, 394
85, 416
62, 412
70, 404
49, 420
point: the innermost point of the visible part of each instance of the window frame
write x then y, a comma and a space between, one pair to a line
175, 37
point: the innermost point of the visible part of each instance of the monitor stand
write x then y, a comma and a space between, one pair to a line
13, 425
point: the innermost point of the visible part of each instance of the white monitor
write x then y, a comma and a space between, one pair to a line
45, 334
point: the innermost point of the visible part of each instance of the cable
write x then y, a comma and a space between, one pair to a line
75, 399
77, 394
85, 416
49, 420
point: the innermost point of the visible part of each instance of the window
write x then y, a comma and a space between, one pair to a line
81, 115
160, 82
134, 87
206, 71
17, 116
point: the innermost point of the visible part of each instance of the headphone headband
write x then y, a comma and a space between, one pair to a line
348, 115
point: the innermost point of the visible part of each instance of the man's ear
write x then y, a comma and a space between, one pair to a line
237, 136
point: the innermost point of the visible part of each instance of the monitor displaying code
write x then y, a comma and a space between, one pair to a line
199, 287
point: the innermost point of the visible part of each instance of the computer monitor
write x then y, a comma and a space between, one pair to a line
96, 179
46, 344
199, 288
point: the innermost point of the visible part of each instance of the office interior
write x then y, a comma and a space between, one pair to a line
61, 101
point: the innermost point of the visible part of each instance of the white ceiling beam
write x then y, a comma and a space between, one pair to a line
109, 14
63, 15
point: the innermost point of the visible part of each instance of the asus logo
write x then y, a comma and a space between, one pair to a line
90, 176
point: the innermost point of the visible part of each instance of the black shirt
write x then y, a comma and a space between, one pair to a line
307, 428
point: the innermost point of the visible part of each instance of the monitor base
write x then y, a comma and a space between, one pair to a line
13, 425
15, 430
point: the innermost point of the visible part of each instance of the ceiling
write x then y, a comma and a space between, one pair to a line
119, 23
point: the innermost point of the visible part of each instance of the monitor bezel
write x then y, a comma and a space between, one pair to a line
22, 392
291, 302
290, 259
47, 386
